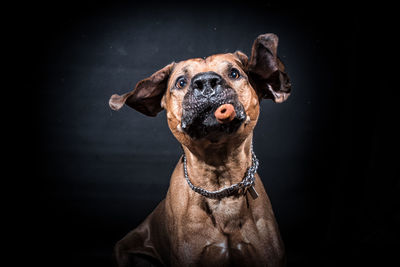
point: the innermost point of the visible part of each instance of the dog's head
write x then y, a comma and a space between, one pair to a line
216, 98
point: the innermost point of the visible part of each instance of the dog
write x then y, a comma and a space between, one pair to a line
216, 211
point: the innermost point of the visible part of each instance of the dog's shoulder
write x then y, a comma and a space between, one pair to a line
143, 246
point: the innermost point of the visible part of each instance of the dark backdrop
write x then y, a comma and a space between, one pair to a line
93, 174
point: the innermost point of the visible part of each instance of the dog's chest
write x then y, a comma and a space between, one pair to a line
228, 214
229, 240
231, 251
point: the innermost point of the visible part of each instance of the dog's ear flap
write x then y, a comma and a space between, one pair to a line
244, 60
147, 95
266, 71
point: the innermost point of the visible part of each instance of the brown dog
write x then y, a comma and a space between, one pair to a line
216, 211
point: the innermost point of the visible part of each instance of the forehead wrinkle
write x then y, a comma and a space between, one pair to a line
186, 69
223, 65
239, 63
179, 71
229, 64
226, 59
234, 62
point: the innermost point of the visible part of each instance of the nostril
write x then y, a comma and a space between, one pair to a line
214, 82
199, 85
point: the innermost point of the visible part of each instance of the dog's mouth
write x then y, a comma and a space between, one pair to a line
211, 117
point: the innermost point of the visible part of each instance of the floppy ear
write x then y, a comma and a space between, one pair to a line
266, 71
147, 95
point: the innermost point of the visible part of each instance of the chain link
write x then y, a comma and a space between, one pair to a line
247, 181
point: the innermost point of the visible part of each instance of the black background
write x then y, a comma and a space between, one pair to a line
90, 174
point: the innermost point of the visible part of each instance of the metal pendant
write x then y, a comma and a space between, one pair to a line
253, 192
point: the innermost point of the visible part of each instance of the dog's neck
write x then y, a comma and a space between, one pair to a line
215, 167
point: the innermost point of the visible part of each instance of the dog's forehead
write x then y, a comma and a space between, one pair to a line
214, 63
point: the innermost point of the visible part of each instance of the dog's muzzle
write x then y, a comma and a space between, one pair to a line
207, 93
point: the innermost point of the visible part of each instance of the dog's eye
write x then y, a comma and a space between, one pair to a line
234, 74
180, 82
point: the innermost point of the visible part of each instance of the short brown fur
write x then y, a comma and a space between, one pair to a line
186, 228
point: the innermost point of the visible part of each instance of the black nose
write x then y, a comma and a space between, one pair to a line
206, 83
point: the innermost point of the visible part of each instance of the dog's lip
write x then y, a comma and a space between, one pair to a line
198, 114
204, 124
210, 108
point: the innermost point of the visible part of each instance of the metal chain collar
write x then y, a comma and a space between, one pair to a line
246, 183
